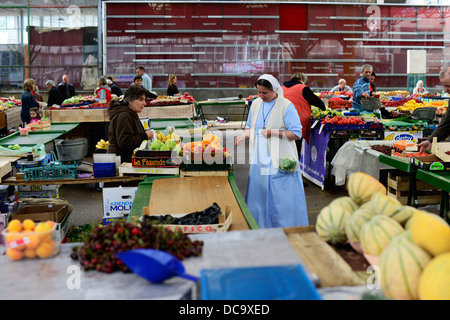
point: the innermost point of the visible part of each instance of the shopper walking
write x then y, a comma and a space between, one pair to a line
275, 198
361, 88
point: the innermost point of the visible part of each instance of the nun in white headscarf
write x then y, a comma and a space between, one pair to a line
275, 198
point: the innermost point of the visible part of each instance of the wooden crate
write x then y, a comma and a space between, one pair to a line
77, 115
321, 259
401, 183
422, 199
169, 112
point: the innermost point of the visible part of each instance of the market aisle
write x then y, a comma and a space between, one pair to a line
87, 201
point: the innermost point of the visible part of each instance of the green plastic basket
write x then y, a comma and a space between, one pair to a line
51, 171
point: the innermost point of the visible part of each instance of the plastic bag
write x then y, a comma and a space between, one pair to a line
288, 156
18, 151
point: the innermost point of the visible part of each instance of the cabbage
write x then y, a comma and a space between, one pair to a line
288, 164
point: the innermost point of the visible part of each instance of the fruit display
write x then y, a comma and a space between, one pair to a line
376, 234
434, 282
164, 100
166, 143
316, 113
98, 251
7, 103
210, 144
411, 247
27, 239
102, 144
402, 263
330, 224
338, 103
344, 120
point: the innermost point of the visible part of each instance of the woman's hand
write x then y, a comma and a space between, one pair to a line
239, 139
150, 134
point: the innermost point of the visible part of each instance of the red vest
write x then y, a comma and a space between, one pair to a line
295, 95
108, 94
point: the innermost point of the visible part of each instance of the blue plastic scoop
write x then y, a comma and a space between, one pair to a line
154, 265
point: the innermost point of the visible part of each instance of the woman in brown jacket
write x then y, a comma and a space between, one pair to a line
126, 132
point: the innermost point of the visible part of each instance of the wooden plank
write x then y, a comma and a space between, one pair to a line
203, 173
126, 169
320, 258
18, 180
190, 194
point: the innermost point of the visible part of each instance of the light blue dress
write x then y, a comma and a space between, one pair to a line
276, 199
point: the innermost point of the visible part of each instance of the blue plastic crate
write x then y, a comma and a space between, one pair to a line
287, 282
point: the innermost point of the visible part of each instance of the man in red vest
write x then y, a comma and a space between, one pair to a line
296, 91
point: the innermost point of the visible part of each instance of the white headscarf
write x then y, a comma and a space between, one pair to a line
274, 82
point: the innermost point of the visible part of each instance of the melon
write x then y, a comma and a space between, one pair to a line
383, 204
346, 202
356, 221
362, 186
401, 265
377, 233
404, 215
330, 224
434, 282
431, 232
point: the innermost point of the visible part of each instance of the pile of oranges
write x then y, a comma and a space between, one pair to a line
30, 240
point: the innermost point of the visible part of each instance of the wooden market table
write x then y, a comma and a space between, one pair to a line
14, 181
441, 180
179, 200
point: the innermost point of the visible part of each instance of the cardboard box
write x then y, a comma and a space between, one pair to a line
38, 187
41, 213
431, 162
38, 194
117, 202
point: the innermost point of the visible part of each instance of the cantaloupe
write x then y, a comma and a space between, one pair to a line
356, 221
361, 186
434, 282
330, 224
430, 232
346, 202
404, 215
377, 233
381, 203
401, 265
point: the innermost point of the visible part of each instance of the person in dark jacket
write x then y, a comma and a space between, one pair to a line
114, 88
172, 89
442, 131
303, 98
126, 132
28, 101
66, 89
54, 97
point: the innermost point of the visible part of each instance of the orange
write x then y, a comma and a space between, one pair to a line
43, 230
30, 253
44, 250
28, 224
34, 241
15, 236
50, 223
14, 254
15, 226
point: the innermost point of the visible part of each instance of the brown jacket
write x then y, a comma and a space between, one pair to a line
125, 132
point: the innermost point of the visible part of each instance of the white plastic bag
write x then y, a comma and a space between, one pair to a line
288, 156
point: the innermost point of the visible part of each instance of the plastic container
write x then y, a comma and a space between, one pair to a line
24, 131
31, 245
101, 170
71, 150
104, 158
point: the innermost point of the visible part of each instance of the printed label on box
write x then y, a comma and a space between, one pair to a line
117, 202
38, 194
107, 221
